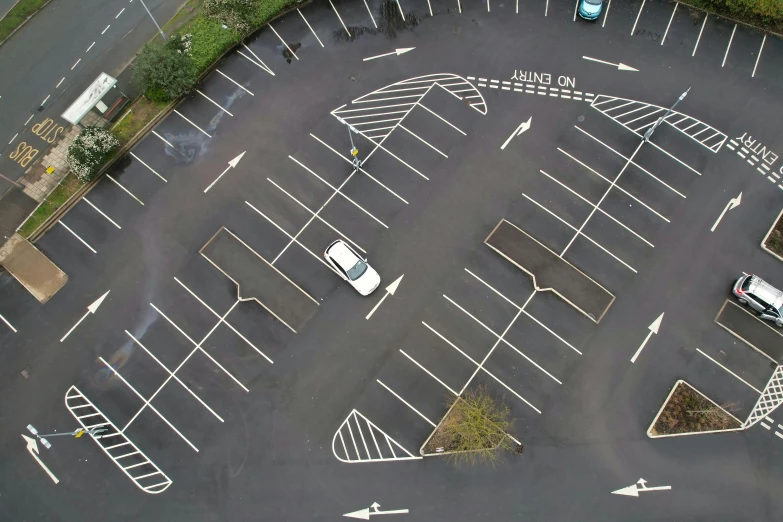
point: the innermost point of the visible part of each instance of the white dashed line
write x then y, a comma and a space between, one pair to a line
118, 14
765, 425
107, 28
77, 63
90, 47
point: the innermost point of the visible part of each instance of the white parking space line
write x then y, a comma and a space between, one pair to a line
196, 126
765, 425
779, 435
576, 6
414, 361
579, 233
322, 220
676, 5
77, 236
260, 64
360, 168
218, 417
500, 338
221, 73
406, 403
706, 15
110, 220
8, 324
379, 146
286, 45
606, 15
311, 27
164, 140
631, 162
759, 56
731, 372
222, 319
146, 404
216, 104
150, 168
633, 30
645, 205
421, 140
729, 46
123, 188
441, 118
605, 213
546, 8
337, 191
338, 17
198, 345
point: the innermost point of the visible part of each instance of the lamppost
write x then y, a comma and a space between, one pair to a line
153, 20
650, 131
354, 151
77, 433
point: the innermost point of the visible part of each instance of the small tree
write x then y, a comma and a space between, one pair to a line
165, 72
475, 430
89, 151
236, 14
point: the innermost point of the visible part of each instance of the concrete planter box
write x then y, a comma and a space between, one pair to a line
769, 233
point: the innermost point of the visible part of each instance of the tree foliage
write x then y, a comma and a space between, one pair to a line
165, 72
89, 151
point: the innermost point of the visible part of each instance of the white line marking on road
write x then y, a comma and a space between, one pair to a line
31, 117
729, 46
311, 27
606, 15
759, 56
101, 212
546, 8
261, 65
765, 425
12, 139
676, 5
216, 104
406, 403
286, 45
442, 119
150, 168
706, 15
337, 191
107, 28
421, 140
338, 17
56, 86
77, 63
46, 99
379, 146
414, 361
401, 13
163, 139
779, 435
196, 126
633, 30
174, 377
729, 371
90, 47
118, 14
123, 188
7, 323
77, 237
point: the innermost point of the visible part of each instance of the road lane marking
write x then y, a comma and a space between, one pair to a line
311, 27
706, 15
150, 168
729, 371
421, 140
123, 188
676, 5
7, 323
77, 237
196, 126
118, 14
90, 47
77, 63
216, 104
338, 17
606, 15
286, 45
101, 212
729, 46
107, 28
57, 86
633, 30
759, 56
167, 142
234, 82
406, 403
414, 361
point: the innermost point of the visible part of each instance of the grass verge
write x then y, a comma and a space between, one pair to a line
140, 114
67, 187
688, 411
766, 14
17, 15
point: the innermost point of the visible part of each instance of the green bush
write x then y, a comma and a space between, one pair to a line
750, 11
236, 14
89, 151
165, 72
210, 40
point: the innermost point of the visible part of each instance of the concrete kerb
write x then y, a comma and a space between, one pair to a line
668, 397
23, 23
55, 217
769, 233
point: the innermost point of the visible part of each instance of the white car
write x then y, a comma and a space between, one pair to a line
352, 267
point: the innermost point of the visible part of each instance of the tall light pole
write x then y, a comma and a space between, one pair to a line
153, 20
354, 151
650, 131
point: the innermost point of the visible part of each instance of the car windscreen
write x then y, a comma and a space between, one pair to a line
594, 2
746, 284
357, 270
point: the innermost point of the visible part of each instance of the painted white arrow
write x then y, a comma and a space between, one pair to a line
389, 291
395, 52
620, 66
231, 164
525, 125
733, 202
653, 330
365, 514
641, 486
90, 310
32, 448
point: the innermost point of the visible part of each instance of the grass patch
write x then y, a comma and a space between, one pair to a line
67, 187
210, 40
775, 240
141, 113
17, 15
688, 411
767, 14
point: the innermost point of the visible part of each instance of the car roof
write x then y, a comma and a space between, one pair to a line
342, 254
766, 291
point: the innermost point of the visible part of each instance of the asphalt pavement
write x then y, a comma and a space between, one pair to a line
228, 412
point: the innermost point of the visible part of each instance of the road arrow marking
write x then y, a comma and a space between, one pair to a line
365, 514
90, 310
525, 125
389, 291
231, 164
396, 51
653, 330
620, 66
733, 202
32, 448
634, 489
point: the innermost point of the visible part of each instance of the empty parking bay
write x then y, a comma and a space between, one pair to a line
752, 330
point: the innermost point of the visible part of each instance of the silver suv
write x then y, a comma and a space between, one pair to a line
761, 296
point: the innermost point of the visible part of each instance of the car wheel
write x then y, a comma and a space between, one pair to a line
779, 323
742, 301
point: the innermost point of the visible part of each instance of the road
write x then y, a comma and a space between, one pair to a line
53, 58
301, 408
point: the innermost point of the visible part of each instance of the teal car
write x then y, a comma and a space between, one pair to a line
590, 9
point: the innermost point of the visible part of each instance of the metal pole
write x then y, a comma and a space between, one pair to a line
650, 131
354, 151
153, 20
